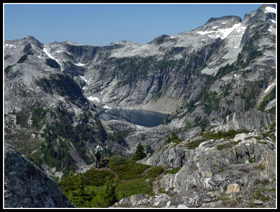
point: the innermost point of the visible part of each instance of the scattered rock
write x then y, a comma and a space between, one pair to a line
233, 188
258, 202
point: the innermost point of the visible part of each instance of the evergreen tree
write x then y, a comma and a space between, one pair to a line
81, 197
139, 153
108, 195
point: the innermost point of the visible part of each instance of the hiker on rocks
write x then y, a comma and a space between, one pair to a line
97, 155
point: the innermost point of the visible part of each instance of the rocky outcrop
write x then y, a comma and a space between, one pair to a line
248, 120
26, 186
214, 171
145, 201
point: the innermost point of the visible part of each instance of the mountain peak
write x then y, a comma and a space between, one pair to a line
231, 19
159, 40
33, 40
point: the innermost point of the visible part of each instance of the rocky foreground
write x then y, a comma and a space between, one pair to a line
26, 186
215, 173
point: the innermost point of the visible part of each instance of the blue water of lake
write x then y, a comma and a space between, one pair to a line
139, 117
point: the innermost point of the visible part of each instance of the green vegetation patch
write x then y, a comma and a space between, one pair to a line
223, 134
22, 59
91, 177
126, 168
173, 138
269, 97
52, 63
101, 188
22, 117
8, 69
63, 85
194, 144
224, 146
172, 171
154, 172
38, 116
139, 153
134, 186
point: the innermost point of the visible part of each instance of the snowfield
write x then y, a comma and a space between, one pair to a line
219, 33
94, 99
79, 64
49, 54
83, 78
270, 10
268, 88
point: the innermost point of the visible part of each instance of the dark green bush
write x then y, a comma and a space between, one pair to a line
126, 168
267, 99
139, 153
22, 59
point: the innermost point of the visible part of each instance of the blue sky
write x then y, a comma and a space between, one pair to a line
102, 24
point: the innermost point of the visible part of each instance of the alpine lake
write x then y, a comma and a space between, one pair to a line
139, 117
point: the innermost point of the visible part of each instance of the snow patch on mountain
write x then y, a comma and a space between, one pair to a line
83, 78
133, 49
270, 10
79, 64
231, 49
219, 33
9, 46
50, 55
268, 88
94, 99
107, 107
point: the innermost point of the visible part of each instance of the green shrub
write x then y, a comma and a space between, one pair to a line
38, 114
139, 153
107, 196
100, 188
8, 69
97, 177
22, 118
173, 138
267, 99
224, 146
225, 70
134, 186
154, 172
223, 134
172, 171
22, 59
126, 168
193, 144
149, 149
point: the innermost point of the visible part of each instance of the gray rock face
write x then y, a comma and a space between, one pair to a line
146, 201
213, 171
26, 186
246, 120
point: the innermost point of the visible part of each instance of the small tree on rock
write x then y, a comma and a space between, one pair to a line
139, 153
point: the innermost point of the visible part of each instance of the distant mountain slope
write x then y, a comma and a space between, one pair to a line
219, 76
